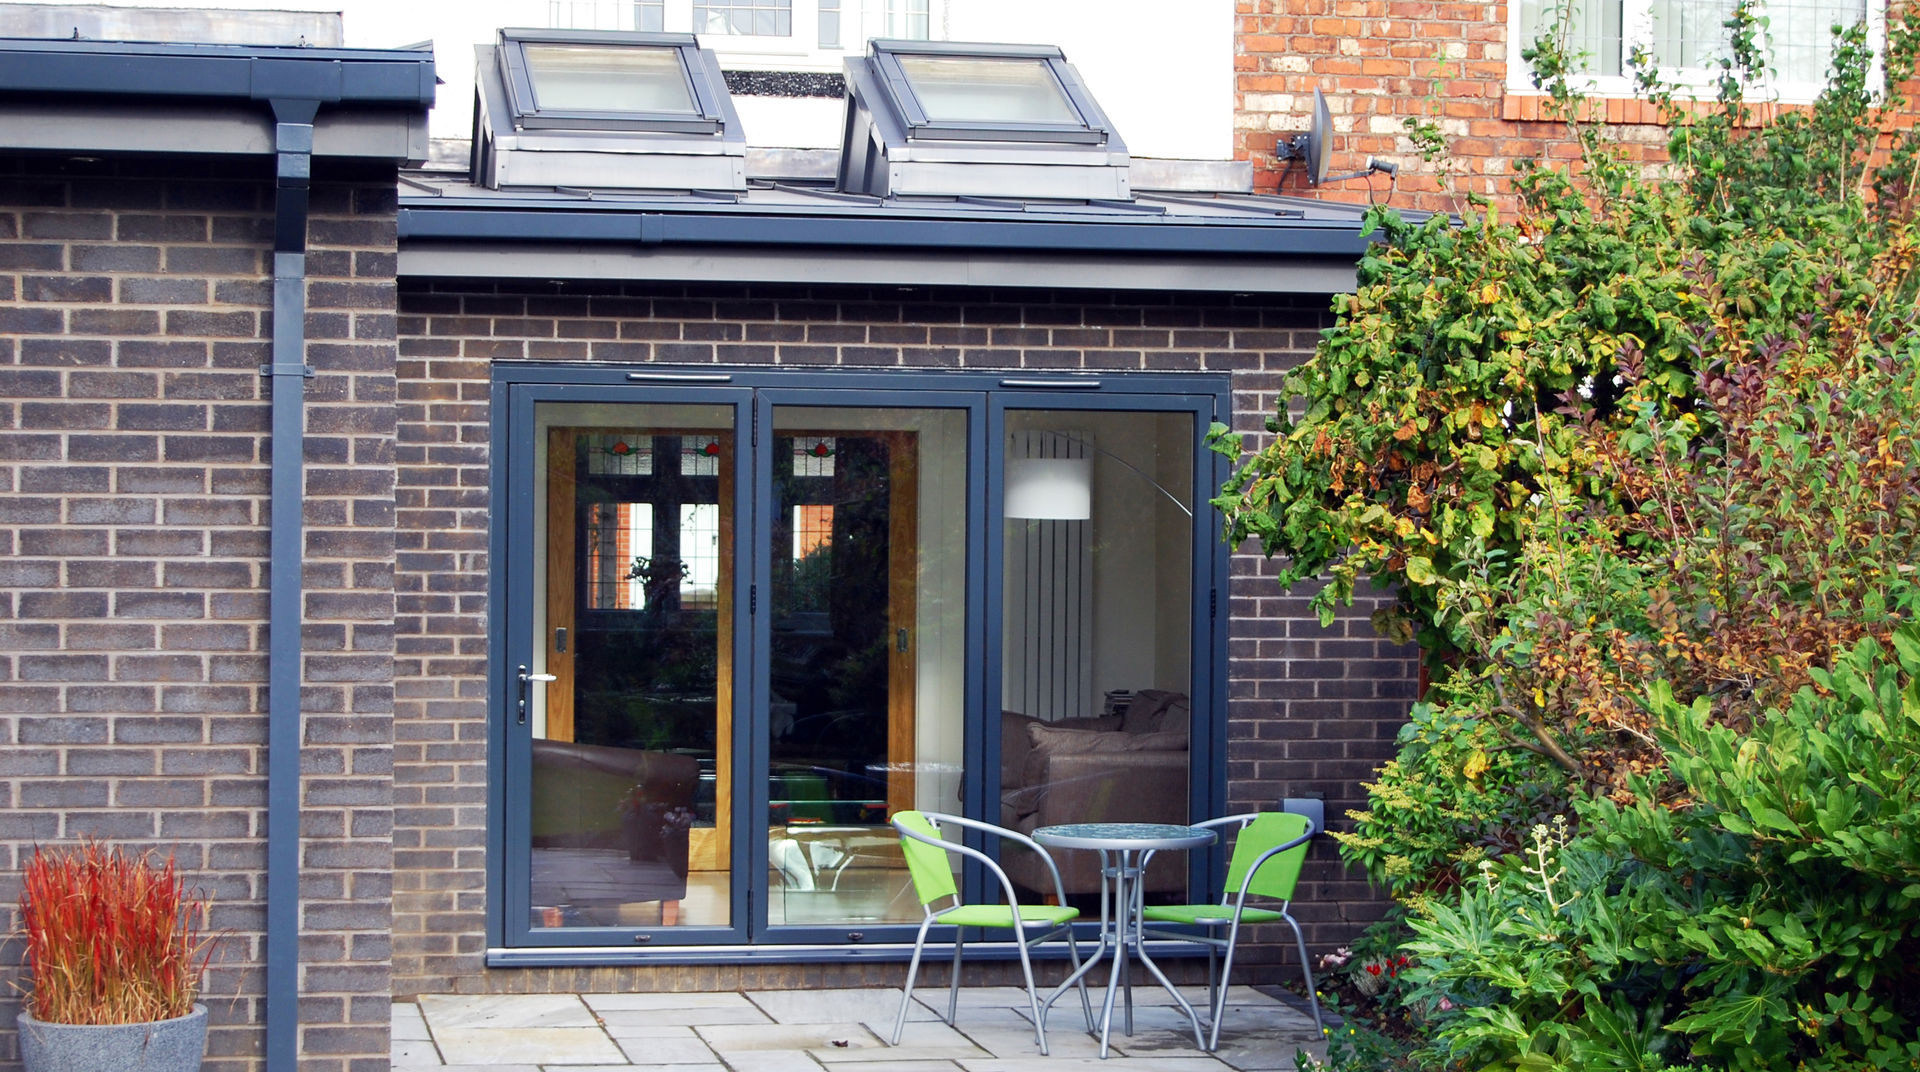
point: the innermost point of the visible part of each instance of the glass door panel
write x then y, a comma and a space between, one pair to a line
630, 800
866, 650
1097, 612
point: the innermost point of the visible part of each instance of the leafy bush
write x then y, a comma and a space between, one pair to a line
1769, 920
1640, 465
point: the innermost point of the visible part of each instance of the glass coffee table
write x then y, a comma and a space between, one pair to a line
1123, 849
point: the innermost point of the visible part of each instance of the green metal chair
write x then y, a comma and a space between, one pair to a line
1267, 854
925, 850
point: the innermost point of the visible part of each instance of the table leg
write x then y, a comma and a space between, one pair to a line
1122, 902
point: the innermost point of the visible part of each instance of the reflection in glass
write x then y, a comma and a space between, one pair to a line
1096, 640
1593, 31
968, 89
592, 78
629, 820
868, 554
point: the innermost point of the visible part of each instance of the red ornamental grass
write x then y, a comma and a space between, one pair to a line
111, 938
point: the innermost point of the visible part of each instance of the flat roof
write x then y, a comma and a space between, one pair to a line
811, 232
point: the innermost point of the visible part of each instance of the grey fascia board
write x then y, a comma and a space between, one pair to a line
349, 76
219, 129
888, 267
1150, 235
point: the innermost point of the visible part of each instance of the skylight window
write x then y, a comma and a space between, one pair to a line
988, 92
583, 78
604, 109
940, 119
601, 80
957, 89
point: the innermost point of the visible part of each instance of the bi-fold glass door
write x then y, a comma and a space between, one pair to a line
733, 657
744, 624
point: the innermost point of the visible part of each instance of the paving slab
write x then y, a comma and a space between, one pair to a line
415, 1053
407, 1024
620, 1021
868, 1005
665, 1049
444, 1011
919, 1041
728, 1039
771, 1061
603, 1003
527, 1045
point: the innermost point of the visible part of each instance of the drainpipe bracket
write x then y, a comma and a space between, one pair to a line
287, 368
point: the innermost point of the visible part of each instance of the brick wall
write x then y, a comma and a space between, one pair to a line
1381, 62
1311, 709
134, 316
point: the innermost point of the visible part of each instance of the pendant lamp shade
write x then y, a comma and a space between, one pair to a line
1054, 489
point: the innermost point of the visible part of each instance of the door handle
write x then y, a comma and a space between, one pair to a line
526, 689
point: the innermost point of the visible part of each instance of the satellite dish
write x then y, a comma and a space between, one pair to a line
1318, 155
1315, 151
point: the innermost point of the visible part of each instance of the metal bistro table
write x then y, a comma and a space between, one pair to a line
1123, 848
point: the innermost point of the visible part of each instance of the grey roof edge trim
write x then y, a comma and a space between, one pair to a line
400, 78
212, 128
1149, 235
1000, 269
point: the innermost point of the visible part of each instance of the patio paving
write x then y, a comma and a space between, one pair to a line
829, 1031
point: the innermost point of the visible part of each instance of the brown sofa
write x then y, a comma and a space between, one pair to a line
1130, 768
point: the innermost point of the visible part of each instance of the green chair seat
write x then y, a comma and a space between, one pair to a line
1212, 914
983, 915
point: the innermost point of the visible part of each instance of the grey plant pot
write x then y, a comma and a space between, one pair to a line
175, 1045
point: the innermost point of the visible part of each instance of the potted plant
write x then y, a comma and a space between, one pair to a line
115, 953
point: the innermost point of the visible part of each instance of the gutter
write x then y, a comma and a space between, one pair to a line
288, 373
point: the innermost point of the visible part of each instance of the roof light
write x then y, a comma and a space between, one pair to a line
938, 118
604, 109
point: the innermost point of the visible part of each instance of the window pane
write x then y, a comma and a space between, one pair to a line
631, 749
591, 78
829, 23
1690, 33
907, 19
1593, 37
650, 15
765, 18
965, 89
867, 665
1801, 35
1096, 634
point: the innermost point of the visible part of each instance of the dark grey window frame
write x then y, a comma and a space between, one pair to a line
1207, 396
704, 84
1093, 129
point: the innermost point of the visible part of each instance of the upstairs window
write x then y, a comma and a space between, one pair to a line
1687, 40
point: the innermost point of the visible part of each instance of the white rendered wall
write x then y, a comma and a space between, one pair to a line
1163, 69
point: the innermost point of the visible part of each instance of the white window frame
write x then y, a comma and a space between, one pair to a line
1636, 32
860, 20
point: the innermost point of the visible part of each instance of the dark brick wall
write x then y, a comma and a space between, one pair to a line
1312, 709
134, 316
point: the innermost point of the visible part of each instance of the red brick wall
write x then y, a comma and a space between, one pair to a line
1310, 709
1381, 62
134, 316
